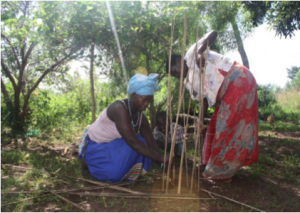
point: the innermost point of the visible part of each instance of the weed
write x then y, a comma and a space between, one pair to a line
12, 157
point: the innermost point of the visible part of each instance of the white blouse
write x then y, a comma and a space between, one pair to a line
213, 78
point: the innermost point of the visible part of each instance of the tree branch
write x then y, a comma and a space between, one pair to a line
25, 59
4, 91
26, 99
7, 72
18, 62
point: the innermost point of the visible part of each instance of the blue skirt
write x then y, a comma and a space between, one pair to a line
115, 161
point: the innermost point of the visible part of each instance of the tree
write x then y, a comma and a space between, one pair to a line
292, 72
230, 21
35, 47
91, 27
144, 33
282, 16
266, 95
295, 82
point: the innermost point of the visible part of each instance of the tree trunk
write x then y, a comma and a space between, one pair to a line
92, 83
238, 38
5, 93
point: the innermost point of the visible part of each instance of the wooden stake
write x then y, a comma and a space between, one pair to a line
179, 101
168, 105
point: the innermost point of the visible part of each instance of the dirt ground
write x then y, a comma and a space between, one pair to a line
271, 185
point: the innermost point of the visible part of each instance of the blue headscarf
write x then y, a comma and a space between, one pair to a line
142, 84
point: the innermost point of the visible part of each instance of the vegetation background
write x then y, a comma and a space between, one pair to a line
41, 100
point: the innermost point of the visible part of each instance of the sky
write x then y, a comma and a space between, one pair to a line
270, 56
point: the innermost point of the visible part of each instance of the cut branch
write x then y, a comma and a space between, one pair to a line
111, 186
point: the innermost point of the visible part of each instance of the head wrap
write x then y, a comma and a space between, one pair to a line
142, 84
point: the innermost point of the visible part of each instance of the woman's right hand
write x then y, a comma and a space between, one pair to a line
199, 126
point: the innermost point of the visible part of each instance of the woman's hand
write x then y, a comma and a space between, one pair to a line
199, 126
201, 61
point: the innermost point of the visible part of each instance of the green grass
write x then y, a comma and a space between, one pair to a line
279, 126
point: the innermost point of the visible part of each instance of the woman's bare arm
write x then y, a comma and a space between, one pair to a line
119, 114
208, 41
147, 134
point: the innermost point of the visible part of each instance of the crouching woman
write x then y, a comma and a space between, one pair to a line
119, 144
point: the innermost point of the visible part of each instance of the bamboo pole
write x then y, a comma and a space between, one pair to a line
151, 196
185, 133
183, 151
181, 97
198, 134
179, 102
194, 161
168, 104
201, 110
179, 184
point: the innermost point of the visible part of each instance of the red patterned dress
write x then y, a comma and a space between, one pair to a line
232, 136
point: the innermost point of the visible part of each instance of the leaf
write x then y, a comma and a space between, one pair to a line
89, 8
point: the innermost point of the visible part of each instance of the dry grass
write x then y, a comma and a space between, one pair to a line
289, 100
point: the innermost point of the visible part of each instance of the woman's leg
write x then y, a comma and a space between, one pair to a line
235, 136
115, 161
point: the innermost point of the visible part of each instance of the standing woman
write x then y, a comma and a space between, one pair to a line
119, 144
231, 139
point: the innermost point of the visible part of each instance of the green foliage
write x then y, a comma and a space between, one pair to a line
283, 104
36, 44
282, 16
292, 72
295, 83
258, 10
266, 95
69, 108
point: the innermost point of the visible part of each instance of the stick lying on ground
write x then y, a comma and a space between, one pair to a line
152, 196
118, 188
227, 198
